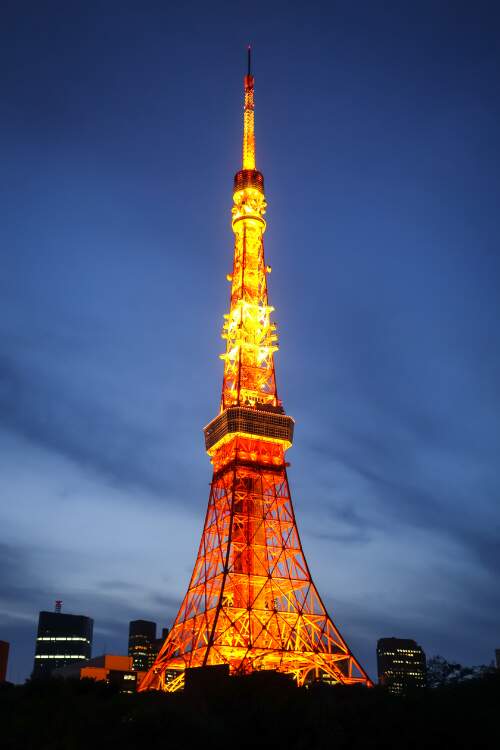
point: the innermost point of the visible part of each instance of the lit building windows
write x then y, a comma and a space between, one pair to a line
62, 639
401, 665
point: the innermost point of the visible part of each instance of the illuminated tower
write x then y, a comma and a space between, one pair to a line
251, 602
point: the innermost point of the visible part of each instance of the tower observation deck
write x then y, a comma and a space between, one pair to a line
251, 602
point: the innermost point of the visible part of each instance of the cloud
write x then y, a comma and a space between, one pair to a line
26, 585
411, 473
49, 413
128, 451
424, 502
170, 603
118, 585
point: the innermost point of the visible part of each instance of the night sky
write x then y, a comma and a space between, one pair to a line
378, 135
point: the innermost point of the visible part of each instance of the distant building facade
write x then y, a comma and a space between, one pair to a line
141, 644
4, 660
401, 665
111, 668
62, 640
497, 658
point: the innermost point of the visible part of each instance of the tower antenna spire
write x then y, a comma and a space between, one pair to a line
248, 118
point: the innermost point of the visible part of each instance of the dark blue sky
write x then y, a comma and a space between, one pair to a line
378, 135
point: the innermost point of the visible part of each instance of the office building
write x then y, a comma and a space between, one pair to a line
110, 668
4, 660
142, 644
62, 640
497, 658
401, 665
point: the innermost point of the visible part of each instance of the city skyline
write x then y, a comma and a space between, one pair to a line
376, 136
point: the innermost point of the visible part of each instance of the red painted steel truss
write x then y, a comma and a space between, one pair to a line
251, 602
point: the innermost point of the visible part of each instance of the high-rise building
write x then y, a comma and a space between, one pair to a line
142, 644
401, 664
251, 603
4, 660
497, 658
62, 639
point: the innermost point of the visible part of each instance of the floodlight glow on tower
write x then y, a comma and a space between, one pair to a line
251, 602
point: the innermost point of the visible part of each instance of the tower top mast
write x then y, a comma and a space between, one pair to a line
248, 118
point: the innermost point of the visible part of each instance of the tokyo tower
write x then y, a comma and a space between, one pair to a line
251, 602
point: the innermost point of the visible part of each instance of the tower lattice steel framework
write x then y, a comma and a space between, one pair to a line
251, 602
